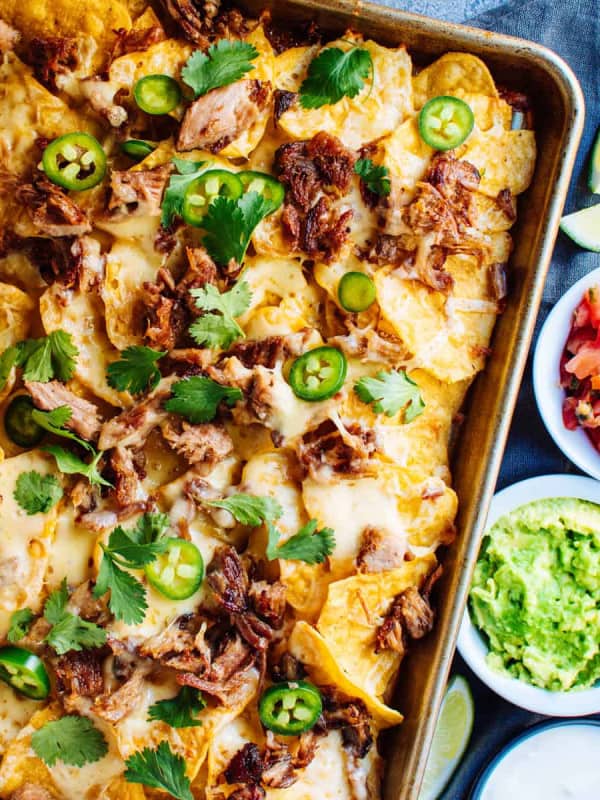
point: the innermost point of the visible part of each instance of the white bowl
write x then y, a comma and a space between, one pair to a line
471, 644
549, 394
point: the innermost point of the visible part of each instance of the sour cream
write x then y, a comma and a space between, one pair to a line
560, 762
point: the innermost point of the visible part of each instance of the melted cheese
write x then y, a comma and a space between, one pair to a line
15, 712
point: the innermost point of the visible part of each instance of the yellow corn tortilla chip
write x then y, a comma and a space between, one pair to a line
309, 647
16, 310
365, 600
450, 74
505, 159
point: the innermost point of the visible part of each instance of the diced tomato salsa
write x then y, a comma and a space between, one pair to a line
580, 368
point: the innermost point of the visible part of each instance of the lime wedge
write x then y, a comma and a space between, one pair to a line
594, 179
451, 738
584, 227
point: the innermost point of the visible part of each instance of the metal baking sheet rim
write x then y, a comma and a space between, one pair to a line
494, 394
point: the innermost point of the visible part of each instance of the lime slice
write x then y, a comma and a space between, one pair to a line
584, 227
594, 179
451, 738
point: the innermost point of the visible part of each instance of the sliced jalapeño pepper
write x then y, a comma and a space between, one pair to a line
318, 374
137, 148
178, 572
75, 161
25, 672
157, 94
206, 188
356, 291
19, 424
268, 187
445, 122
290, 708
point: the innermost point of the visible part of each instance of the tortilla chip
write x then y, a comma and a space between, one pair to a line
451, 74
505, 159
365, 600
16, 310
309, 647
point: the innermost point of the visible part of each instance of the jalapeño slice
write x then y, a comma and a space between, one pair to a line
271, 189
290, 708
178, 572
75, 161
318, 374
25, 672
157, 94
445, 122
19, 424
206, 188
138, 148
356, 291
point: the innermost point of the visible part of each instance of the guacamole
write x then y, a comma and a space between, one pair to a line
536, 593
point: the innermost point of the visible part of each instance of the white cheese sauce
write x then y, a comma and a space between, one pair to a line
559, 763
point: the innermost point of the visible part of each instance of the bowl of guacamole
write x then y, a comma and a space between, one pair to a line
532, 627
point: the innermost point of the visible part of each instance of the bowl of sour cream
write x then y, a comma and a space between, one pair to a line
552, 761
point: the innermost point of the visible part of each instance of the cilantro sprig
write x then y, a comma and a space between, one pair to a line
198, 398
221, 329
44, 359
374, 177
130, 549
391, 392
54, 422
229, 225
37, 493
73, 740
179, 711
20, 622
225, 62
172, 203
136, 370
249, 509
68, 631
308, 545
159, 769
334, 74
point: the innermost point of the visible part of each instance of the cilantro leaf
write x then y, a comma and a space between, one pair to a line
72, 740
225, 62
249, 509
229, 225
72, 465
308, 545
138, 546
180, 710
52, 356
69, 632
220, 330
8, 360
159, 769
390, 392
127, 595
37, 493
54, 422
335, 74
172, 202
20, 622
54, 608
374, 177
136, 370
198, 398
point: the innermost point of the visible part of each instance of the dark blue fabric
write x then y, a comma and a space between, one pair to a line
572, 29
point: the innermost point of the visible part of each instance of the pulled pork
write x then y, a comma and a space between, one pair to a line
275, 767
199, 444
135, 40
216, 119
85, 420
282, 102
125, 467
169, 306
410, 617
350, 716
52, 212
101, 97
379, 551
327, 451
137, 192
314, 171
52, 56
79, 674
201, 20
